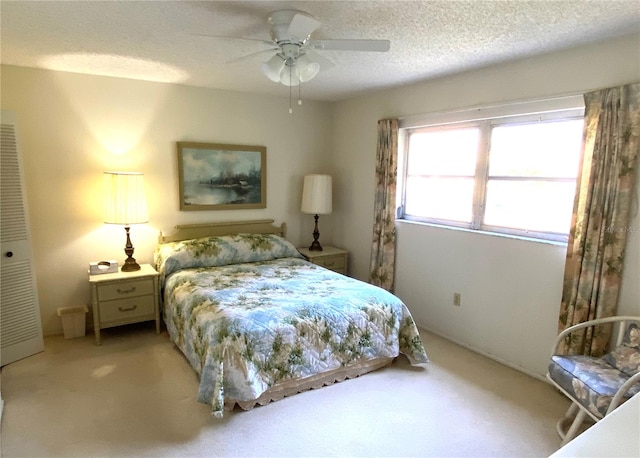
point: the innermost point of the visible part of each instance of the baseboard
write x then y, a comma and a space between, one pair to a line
485, 354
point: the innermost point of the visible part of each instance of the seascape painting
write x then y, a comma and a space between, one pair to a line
221, 177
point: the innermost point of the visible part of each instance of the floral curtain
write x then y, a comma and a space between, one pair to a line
383, 249
601, 215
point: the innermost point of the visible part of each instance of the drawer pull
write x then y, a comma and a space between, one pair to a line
126, 291
129, 309
330, 263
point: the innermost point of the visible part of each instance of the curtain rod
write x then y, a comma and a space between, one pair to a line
477, 108
557, 98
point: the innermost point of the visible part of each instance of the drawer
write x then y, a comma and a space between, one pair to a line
331, 262
122, 290
125, 309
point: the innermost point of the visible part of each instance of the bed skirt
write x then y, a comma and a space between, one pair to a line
294, 386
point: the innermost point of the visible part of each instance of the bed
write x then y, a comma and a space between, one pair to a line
257, 322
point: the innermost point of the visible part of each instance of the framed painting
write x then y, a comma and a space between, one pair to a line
222, 177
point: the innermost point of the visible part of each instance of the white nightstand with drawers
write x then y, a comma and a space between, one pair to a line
124, 298
330, 257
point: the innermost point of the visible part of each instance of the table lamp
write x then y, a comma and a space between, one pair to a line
125, 203
316, 200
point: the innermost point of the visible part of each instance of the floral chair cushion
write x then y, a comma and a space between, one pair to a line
632, 336
591, 381
626, 357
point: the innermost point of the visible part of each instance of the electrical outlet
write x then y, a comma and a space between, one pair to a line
457, 297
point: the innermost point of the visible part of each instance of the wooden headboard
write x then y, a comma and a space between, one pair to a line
196, 231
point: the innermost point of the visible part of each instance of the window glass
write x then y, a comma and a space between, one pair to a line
440, 174
539, 206
440, 198
444, 152
512, 174
547, 149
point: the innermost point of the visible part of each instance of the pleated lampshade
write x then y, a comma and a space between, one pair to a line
124, 198
316, 194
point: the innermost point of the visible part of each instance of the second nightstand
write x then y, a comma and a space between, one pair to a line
124, 298
330, 257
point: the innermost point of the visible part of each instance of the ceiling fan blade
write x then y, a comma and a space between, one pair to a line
253, 40
350, 45
302, 26
253, 54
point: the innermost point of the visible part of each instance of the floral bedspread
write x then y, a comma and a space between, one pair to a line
248, 313
245, 327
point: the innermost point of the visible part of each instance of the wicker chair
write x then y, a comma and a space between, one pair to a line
596, 386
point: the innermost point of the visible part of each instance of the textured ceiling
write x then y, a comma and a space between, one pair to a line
162, 40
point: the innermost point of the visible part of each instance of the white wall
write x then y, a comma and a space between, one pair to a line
511, 289
73, 127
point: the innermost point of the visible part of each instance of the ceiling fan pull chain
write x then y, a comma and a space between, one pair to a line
290, 109
300, 93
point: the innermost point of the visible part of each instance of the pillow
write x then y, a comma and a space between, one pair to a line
632, 336
220, 251
626, 357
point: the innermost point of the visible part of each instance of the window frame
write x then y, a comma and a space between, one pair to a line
563, 108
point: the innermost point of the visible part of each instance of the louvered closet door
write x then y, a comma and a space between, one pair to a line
21, 331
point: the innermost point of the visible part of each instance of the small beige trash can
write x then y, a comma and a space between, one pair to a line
73, 321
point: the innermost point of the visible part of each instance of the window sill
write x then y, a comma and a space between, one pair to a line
484, 233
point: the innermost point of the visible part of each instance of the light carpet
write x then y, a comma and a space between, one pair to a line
135, 396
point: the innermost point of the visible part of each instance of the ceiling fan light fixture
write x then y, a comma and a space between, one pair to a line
307, 69
290, 75
273, 68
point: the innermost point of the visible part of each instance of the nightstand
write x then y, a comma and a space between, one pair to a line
330, 257
124, 298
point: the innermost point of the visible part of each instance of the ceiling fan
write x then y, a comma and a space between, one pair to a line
295, 60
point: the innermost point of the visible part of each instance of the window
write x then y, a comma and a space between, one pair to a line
512, 174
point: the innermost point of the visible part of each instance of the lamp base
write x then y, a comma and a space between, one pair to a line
315, 246
130, 264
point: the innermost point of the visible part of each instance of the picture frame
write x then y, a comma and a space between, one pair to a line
214, 176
